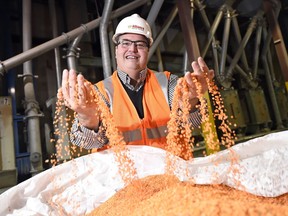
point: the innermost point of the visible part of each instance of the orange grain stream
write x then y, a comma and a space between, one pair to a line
179, 139
126, 167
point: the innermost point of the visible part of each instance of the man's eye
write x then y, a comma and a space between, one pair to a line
126, 43
141, 45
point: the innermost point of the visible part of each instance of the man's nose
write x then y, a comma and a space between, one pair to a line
133, 47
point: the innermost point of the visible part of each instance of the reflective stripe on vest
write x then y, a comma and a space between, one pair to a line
163, 81
132, 135
152, 133
109, 90
156, 132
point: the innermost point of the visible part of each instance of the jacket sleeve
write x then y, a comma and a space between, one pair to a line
195, 117
86, 138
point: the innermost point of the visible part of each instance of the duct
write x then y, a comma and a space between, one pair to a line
167, 24
64, 38
31, 106
104, 38
55, 34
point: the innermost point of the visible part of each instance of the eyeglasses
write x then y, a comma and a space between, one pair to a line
141, 45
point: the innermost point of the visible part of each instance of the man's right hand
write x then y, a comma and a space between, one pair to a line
79, 95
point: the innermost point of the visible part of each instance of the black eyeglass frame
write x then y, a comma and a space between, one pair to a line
130, 42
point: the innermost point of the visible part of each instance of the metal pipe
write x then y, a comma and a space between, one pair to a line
105, 53
32, 108
203, 14
269, 55
257, 51
64, 38
213, 29
52, 11
225, 41
215, 43
112, 47
238, 37
158, 52
243, 43
73, 53
154, 12
185, 63
227, 82
151, 20
271, 91
215, 46
167, 24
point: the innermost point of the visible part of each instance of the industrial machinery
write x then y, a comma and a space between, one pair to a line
8, 173
241, 40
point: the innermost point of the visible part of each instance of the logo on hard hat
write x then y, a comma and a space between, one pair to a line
136, 27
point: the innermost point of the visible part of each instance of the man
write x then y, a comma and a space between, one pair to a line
139, 99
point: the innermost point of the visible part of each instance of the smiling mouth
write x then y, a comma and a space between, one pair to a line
131, 57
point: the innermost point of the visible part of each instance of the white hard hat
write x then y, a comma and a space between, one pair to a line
133, 24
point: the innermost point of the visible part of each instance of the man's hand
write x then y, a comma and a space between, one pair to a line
200, 74
78, 95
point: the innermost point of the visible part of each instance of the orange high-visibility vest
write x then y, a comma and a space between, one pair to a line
152, 129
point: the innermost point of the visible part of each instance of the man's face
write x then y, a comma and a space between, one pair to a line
132, 57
